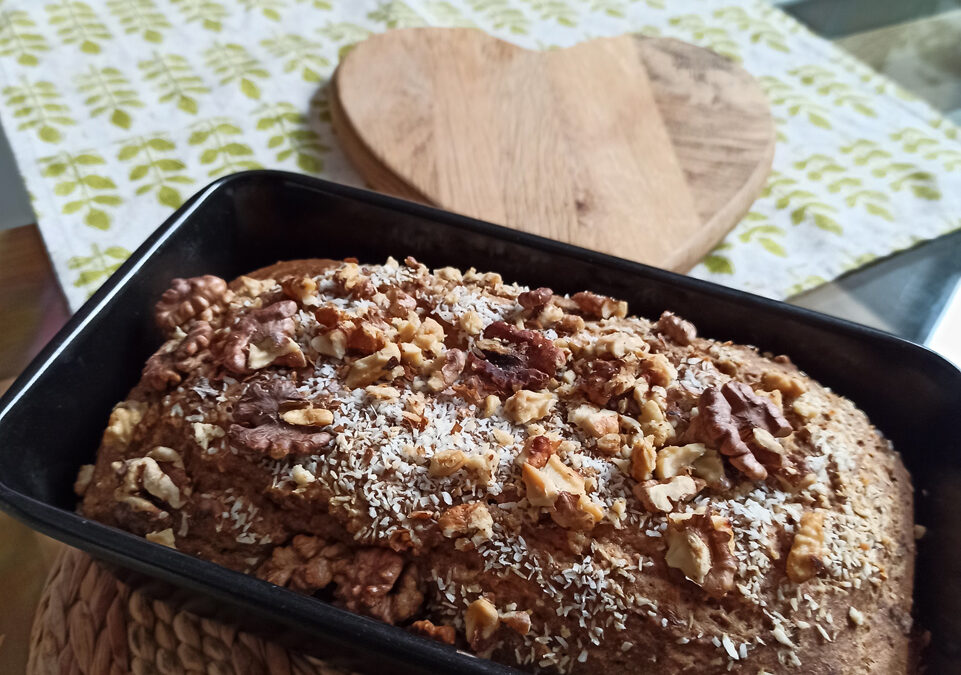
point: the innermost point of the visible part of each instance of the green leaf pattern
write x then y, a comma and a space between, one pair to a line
118, 110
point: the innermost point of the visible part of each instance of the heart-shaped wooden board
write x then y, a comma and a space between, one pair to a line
645, 148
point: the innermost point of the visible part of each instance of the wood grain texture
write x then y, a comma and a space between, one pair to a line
647, 148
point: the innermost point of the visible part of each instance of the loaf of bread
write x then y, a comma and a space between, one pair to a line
540, 479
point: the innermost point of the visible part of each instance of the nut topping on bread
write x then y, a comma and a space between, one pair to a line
537, 477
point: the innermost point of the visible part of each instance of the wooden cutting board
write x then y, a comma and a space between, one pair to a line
646, 148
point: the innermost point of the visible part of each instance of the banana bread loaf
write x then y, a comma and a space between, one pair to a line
540, 479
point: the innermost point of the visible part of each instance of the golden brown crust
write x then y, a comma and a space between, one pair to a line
560, 486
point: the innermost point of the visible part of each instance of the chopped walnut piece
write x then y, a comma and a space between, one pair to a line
481, 622
467, 520
301, 289
674, 460
308, 417
445, 634
162, 537
643, 458
446, 462
601, 380
710, 468
543, 485
471, 322
657, 369
332, 343
526, 406
446, 369
653, 422
302, 476
599, 306
727, 418
609, 444
401, 304
536, 298
575, 512
593, 421
519, 622
124, 418
791, 387
369, 369
680, 331
700, 545
662, 496
143, 476
510, 359
194, 298
538, 450
260, 335
806, 557
688, 552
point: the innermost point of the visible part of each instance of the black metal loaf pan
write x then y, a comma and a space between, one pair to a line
52, 418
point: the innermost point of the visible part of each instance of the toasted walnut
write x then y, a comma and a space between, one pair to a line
123, 420
162, 537
594, 421
483, 464
369, 369
263, 337
411, 355
538, 450
575, 512
84, 476
467, 520
536, 298
260, 428
700, 545
179, 355
490, 406
609, 444
664, 495
806, 557
301, 289
302, 476
599, 306
601, 380
144, 475
519, 622
688, 552
619, 345
378, 583
446, 462
643, 458
307, 564
430, 336
471, 322
445, 634
680, 331
194, 298
277, 441
164, 454
791, 387
710, 468
481, 622
332, 343
353, 281
654, 423
727, 416
674, 460
526, 406
658, 369
510, 359
446, 369
543, 485
308, 417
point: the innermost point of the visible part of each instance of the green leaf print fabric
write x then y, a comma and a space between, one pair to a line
118, 110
